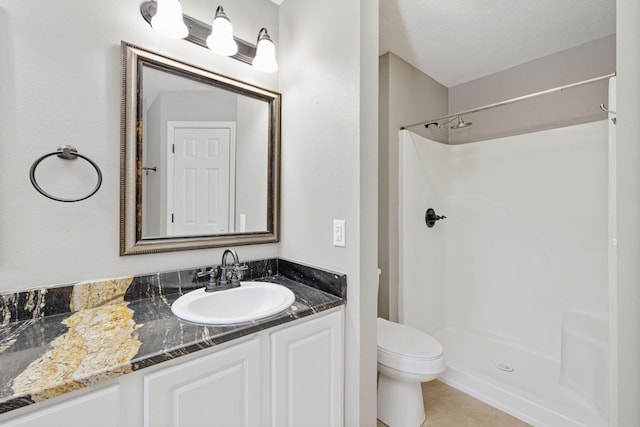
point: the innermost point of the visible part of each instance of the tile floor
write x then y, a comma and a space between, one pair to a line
448, 407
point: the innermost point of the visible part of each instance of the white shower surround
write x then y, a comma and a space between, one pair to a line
518, 272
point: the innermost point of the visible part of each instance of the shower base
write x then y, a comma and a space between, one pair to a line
515, 381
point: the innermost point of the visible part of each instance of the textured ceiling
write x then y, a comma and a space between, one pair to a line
455, 41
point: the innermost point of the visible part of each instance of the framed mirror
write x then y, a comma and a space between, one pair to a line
200, 158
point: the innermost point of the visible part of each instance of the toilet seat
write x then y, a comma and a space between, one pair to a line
407, 349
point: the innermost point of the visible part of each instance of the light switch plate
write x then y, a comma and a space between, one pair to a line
339, 233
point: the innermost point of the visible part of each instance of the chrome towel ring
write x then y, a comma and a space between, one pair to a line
66, 152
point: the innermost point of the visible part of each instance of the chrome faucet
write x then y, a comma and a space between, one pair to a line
225, 276
229, 274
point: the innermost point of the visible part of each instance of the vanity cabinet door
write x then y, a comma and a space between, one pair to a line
221, 389
307, 373
97, 409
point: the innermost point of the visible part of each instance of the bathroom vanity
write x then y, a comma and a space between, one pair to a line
282, 370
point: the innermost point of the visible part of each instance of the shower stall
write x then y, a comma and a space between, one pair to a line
518, 281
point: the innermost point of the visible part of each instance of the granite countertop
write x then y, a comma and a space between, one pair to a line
60, 339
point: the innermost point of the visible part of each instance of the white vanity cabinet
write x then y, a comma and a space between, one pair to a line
287, 376
98, 408
220, 389
307, 366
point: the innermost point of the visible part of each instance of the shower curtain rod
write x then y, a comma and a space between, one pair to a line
511, 101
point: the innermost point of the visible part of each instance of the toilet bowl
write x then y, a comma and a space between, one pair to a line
406, 358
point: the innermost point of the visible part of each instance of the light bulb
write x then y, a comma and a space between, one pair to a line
221, 39
168, 19
265, 59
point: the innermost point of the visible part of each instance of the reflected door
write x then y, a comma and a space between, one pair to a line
201, 193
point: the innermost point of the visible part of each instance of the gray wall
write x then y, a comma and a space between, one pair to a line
252, 163
572, 106
152, 188
406, 96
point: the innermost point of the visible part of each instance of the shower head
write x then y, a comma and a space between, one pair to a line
461, 124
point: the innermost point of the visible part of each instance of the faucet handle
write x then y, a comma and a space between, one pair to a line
211, 272
202, 272
238, 268
236, 272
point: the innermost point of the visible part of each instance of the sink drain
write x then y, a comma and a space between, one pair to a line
504, 367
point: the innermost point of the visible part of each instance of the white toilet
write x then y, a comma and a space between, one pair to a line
406, 358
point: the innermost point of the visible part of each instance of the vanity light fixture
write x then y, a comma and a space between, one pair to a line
265, 59
168, 19
221, 39
217, 37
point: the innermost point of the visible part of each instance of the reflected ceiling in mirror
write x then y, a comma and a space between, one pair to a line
200, 158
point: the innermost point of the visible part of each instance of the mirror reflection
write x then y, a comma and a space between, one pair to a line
204, 158
200, 157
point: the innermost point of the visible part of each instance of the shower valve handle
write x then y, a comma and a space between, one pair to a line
430, 217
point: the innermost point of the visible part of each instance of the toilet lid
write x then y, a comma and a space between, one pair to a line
403, 340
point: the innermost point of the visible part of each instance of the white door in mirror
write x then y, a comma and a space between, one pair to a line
200, 178
250, 301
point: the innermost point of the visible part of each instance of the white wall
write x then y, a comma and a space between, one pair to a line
328, 64
524, 240
365, 399
426, 176
628, 183
61, 79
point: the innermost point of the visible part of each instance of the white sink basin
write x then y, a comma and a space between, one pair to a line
250, 301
